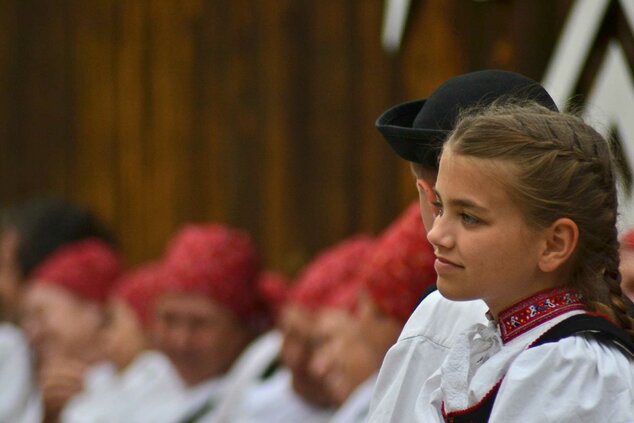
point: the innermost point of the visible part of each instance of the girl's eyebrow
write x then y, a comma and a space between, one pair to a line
461, 202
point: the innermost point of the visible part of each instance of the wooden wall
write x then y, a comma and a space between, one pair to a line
255, 113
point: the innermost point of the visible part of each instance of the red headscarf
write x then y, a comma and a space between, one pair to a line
331, 279
218, 262
401, 266
139, 288
86, 268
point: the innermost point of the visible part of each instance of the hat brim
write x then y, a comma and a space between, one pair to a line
417, 145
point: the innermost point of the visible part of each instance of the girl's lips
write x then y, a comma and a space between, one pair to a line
444, 260
442, 265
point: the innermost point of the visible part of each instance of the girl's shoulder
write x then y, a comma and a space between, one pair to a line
553, 380
582, 340
440, 319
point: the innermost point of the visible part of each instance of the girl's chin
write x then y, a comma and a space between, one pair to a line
451, 292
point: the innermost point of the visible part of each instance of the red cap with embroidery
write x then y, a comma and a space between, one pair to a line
331, 279
88, 269
218, 262
401, 266
139, 288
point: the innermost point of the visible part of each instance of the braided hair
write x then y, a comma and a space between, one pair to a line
563, 168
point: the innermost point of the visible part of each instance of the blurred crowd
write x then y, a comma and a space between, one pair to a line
203, 333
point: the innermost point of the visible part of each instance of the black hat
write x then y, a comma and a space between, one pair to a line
416, 130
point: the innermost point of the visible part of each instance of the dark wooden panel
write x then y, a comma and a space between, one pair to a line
170, 118
8, 101
277, 66
42, 146
132, 114
376, 86
93, 160
255, 113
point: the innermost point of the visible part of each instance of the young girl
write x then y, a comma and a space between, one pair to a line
526, 213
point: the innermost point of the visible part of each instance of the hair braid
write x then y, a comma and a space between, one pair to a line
616, 305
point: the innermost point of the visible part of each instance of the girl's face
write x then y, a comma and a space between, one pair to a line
483, 245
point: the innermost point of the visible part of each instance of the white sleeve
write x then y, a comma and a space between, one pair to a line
577, 379
15, 373
419, 352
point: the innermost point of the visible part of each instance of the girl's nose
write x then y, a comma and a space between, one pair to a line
439, 236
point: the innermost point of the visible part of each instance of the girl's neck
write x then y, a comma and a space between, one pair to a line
539, 283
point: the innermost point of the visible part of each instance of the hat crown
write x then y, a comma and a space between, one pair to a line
480, 88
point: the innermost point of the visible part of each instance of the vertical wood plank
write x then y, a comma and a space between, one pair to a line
41, 147
9, 100
280, 245
136, 220
92, 69
328, 120
170, 118
376, 85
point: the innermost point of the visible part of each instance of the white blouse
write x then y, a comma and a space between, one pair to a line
420, 350
275, 401
16, 386
244, 374
577, 379
148, 380
166, 407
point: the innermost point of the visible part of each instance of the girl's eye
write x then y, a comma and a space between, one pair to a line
437, 208
469, 220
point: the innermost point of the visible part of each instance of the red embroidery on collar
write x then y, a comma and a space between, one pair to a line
534, 311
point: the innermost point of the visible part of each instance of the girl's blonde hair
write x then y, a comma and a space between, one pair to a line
562, 168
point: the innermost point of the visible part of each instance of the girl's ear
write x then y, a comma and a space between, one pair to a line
561, 240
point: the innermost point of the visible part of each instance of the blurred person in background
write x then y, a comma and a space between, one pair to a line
258, 361
144, 377
352, 345
342, 359
63, 318
29, 232
207, 312
285, 391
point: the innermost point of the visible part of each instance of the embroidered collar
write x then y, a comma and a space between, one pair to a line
535, 310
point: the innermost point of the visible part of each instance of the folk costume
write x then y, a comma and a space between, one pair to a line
419, 351
503, 371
